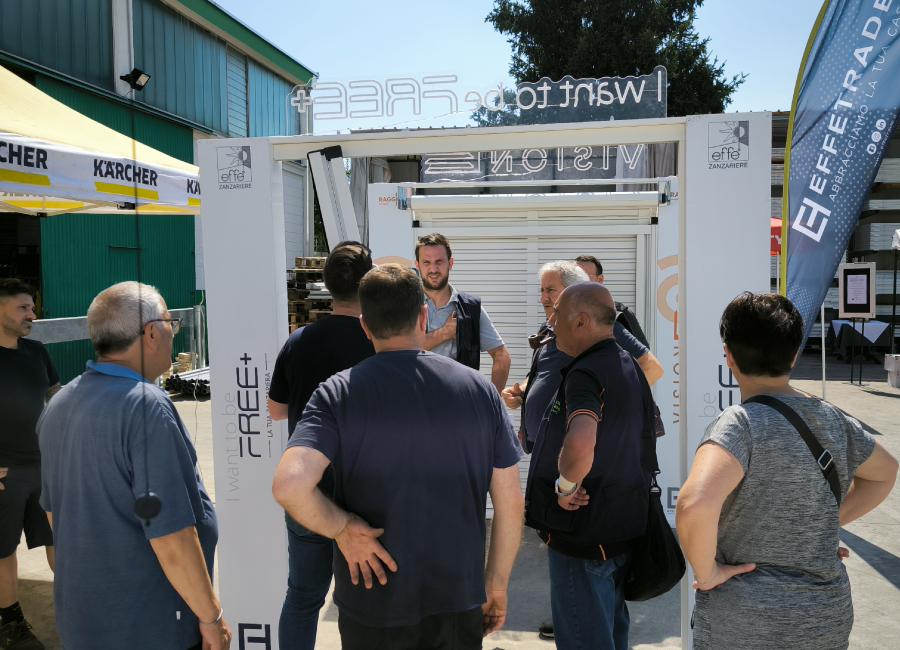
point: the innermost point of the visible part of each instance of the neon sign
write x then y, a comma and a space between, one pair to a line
543, 102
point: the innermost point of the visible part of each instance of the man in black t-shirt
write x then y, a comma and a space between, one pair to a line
311, 355
416, 441
588, 457
28, 379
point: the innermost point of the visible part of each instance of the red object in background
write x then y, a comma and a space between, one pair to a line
775, 239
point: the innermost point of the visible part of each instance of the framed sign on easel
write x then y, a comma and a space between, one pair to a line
856, 301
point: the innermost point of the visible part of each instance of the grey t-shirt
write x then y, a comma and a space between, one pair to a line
105, 439
783, 517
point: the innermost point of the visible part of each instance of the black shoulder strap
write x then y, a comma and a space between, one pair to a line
823, 456
649, 459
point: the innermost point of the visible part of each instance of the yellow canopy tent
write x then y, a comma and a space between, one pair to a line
53, 160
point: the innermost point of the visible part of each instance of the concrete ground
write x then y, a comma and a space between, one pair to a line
874, 542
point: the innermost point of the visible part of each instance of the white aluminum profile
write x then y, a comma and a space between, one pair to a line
330, 178
525, 202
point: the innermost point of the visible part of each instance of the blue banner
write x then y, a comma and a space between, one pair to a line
844, 112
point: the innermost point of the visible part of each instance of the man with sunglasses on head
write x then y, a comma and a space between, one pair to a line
114, 449
311, 355
28, 379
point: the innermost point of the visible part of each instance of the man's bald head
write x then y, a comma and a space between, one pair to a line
583, 315
591, 299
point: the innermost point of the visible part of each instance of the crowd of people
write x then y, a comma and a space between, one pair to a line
397, 439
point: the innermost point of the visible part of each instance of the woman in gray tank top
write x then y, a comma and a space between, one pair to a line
757, 519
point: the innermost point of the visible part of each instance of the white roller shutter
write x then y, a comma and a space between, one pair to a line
497, 255
294, 179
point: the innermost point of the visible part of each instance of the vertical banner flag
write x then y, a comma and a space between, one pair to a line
843, 115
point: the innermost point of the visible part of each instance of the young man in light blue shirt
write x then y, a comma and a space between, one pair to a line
458, 326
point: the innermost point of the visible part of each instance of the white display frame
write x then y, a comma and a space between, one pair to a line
863, 269
244, 253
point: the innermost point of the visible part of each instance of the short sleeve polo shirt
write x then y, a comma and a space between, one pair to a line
106, 438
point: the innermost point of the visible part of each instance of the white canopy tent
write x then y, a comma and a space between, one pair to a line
55, 160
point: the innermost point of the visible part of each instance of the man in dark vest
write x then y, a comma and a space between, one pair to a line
587, 493
458, 326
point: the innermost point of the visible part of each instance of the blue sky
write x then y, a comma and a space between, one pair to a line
344, 40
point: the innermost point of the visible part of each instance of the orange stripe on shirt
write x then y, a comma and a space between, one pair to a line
582, 412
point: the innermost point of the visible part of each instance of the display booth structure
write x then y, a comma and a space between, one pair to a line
676, 257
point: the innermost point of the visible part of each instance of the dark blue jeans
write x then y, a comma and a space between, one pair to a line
588, 602
309, 576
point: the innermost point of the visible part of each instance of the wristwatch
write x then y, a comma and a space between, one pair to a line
565, 494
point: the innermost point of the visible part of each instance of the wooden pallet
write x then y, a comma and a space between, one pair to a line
297, 294
306, 262
304, 318
302, 276
309, 304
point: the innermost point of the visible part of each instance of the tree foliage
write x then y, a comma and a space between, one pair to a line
501, 116
609, 38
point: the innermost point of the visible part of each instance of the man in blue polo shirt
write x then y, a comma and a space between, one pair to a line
416, 442
109, 441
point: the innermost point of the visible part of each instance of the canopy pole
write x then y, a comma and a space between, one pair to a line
778, 274
822, 334
894, 307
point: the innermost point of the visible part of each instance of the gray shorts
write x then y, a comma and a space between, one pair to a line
20, 509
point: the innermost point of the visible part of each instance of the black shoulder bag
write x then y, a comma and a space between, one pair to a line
657, 563
823, 456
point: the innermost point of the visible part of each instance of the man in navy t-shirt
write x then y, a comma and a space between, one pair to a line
311, 355
416, 442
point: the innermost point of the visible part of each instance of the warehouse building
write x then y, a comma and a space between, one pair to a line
210, 77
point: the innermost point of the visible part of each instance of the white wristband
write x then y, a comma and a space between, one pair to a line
565, 485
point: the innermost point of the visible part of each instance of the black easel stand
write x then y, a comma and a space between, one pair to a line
853, 350
894, 303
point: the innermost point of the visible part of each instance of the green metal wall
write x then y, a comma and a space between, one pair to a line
237, 94
82, 254
187, 65
171, 138
72, 37
267, 100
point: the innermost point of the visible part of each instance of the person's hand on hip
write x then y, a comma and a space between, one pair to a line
723, 573
364, 554
494, 610
216, 636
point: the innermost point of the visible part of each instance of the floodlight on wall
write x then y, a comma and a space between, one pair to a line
137, 79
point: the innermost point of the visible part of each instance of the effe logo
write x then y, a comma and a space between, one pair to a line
234, 167
729, 144
243, 640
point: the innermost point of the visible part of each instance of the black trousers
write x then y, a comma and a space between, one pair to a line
451, 631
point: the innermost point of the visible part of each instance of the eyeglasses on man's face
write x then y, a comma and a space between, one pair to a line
174, 322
